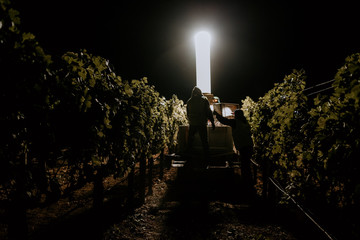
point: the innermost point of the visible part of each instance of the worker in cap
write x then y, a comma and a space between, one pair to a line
198, 113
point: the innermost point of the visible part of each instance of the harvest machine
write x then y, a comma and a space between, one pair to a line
222, 150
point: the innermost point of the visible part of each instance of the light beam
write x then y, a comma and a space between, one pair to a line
202, 51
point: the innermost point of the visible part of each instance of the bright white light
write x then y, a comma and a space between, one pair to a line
226, 112
202, 50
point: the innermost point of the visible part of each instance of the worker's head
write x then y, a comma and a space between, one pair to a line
196, 92
239, 114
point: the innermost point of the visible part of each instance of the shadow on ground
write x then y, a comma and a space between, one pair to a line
219, 204
191, 203
200, 199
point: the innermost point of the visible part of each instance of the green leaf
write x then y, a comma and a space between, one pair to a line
96, 161
88, 104
128, 90
136, 108
27, 36
82, 73
14, 16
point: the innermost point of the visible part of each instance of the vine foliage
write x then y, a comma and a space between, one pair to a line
66, 121
311, 145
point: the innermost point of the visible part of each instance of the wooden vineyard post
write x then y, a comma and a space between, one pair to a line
161, 164
17, 225
98, 189
255, 174
150, 174
265, 175
142, 179
130, 199
272, 190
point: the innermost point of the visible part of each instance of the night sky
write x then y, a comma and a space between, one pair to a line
254, 43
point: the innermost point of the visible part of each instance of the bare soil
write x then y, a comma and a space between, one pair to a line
187, 203
198, 204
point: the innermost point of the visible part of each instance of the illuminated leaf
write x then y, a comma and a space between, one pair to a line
321, 123
82, 99
82, 73
136, 108
27, 36
128, 90
14, 16
88, 104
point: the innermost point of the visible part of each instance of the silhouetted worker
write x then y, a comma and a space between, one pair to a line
242, 139
198, 113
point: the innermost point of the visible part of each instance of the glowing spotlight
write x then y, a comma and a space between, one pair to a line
202, 51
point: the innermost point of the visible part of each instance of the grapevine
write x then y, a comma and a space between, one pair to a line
311, 145
69, 121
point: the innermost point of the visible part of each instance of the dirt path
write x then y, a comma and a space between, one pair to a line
199, 204
188, 203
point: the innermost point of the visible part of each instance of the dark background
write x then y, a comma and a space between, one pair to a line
254, 43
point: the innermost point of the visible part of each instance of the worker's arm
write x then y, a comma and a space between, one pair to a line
209, 113
224, 120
